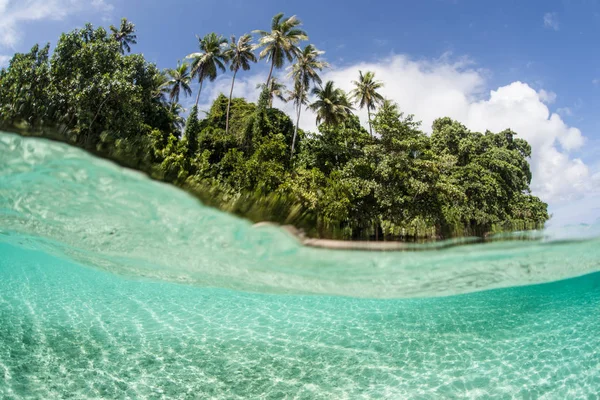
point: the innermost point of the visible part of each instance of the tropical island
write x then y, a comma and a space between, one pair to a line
386, 180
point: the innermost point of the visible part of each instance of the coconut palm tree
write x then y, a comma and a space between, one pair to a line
300, 98
159, 86
281, 42
276, 89
125, 35
365, 93
304, 72
332, 105
210, 59
178, 80
239, 54
307, 66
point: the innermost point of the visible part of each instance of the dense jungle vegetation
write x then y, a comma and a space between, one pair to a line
385, 180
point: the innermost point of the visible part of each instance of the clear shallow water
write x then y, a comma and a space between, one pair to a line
92, 305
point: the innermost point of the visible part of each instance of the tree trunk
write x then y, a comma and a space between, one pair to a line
199, 91
87, 138
296, 129
270, 72
229, 104
370, 127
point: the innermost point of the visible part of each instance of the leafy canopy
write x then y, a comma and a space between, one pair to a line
251, 159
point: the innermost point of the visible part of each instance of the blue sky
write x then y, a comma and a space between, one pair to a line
437, 57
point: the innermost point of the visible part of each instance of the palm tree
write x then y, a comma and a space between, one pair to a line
210, 59
178, 80
159, 86
332, 105
125, 35
300, 98
276, 89
282, 42
365, 94
304, 72
239, 54
307, 66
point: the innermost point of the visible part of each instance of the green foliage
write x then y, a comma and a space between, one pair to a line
24, 94
192, 133
493, 173
264, 100
86, 88
342, 182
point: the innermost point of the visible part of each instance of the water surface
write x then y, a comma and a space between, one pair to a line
115, 286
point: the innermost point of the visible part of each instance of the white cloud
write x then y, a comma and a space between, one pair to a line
595, 81
245, 86
436, 88
15, 13
551, 20
547, 97
565, 111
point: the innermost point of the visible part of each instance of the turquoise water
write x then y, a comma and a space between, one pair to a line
114, 286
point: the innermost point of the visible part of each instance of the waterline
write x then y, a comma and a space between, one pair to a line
98, 214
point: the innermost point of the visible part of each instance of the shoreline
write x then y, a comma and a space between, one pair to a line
387, 246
